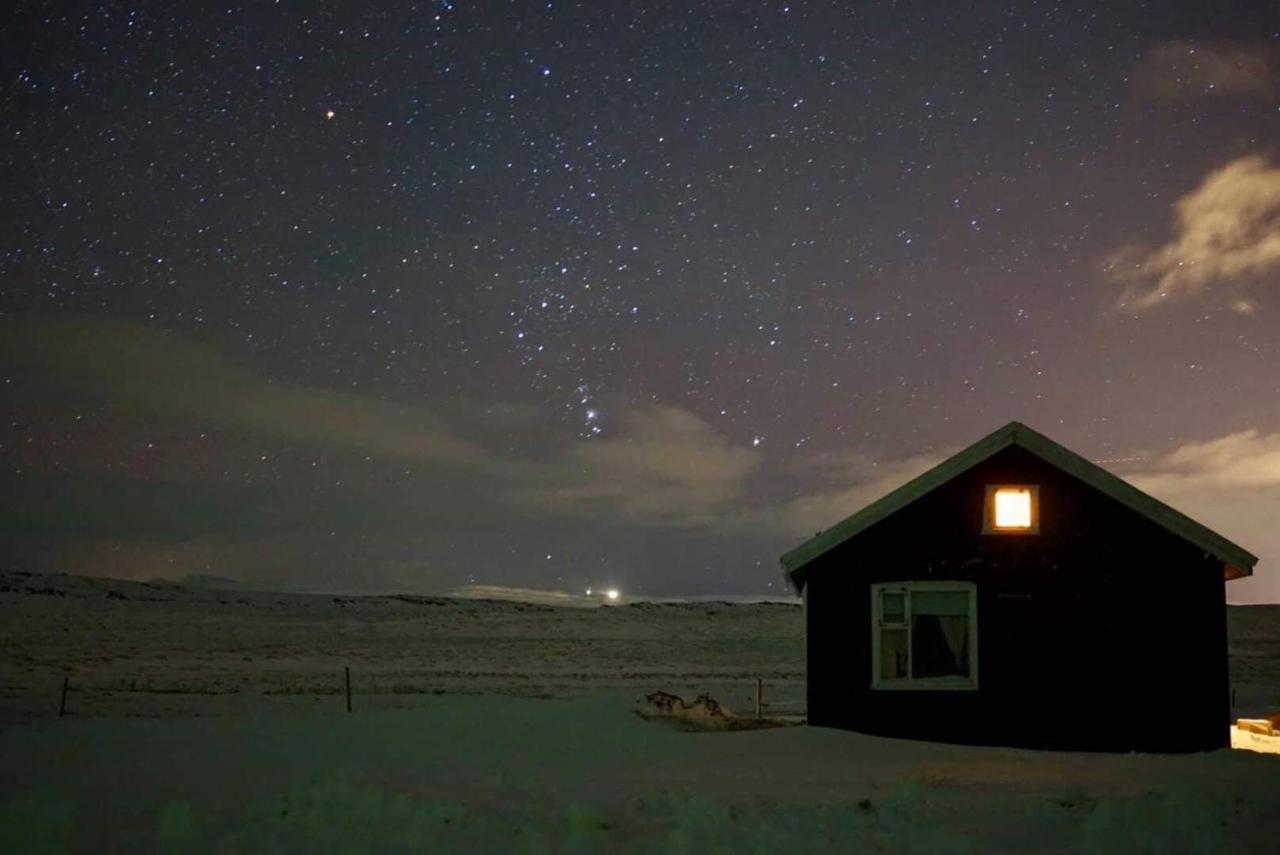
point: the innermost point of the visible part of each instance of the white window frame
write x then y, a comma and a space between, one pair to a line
950, 683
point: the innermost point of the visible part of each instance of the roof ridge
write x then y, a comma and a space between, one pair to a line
1235, 557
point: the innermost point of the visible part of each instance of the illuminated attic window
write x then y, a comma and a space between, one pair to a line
1012, 509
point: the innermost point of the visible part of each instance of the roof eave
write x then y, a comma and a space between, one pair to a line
795, 560
1234, 557
1231, 572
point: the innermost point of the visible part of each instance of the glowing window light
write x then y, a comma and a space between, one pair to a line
1013, 507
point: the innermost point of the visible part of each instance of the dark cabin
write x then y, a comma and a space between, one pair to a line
1017, 594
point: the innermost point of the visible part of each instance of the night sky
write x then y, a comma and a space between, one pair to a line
388, 296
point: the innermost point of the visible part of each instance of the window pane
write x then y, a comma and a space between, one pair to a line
1013, 507
939, 644
893, 654
893, 607
939, 602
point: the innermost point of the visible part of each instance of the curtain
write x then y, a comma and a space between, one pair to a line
955, 629
939, 645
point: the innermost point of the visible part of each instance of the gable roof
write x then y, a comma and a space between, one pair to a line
1236, 560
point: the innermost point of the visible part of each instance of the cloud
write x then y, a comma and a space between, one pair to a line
1246, 460
859, 480
1232, 485
666, 465
166, 376
402, 495
1225, 230
1183, 69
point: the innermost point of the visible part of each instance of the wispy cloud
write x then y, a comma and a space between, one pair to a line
856, 481
665, 465
167, 376
1187, 69
1232, 485
1226, 231
1246, 460
662, 466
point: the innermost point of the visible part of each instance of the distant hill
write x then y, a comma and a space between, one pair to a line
207, 580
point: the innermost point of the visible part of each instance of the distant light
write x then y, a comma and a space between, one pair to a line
612, 593
328, 114
1013, 507
588, 592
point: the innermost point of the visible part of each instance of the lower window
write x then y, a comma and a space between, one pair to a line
924, 635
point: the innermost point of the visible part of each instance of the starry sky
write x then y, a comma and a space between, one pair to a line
404, 296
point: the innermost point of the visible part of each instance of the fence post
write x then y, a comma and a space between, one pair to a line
62, 706
347, 669
759, 698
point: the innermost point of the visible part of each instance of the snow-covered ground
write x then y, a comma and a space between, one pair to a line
490, 774
214, 721
158, 649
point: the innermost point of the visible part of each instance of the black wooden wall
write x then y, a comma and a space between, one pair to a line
1103, 632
